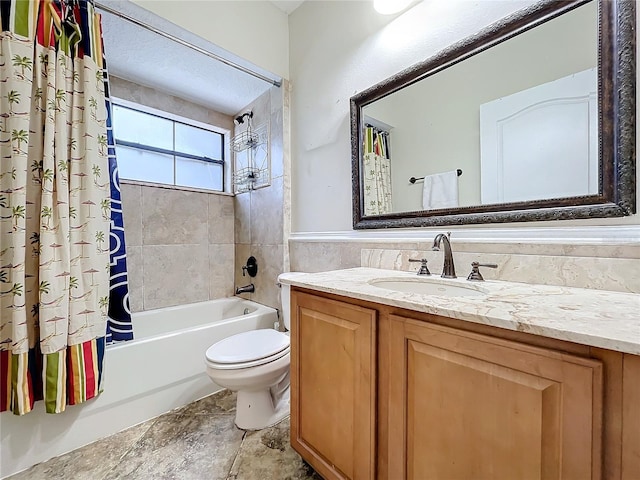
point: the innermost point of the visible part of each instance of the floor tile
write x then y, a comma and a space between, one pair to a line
221, 402
196, 442
267, 454
91, 462
185, 447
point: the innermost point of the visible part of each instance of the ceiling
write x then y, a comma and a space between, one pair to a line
168, 66
287, 6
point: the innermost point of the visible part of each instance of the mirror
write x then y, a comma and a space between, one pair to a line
533, 118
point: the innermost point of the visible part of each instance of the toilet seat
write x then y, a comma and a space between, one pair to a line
248, 349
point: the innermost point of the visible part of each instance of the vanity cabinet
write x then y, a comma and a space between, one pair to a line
387, 393
333, 385
469, 406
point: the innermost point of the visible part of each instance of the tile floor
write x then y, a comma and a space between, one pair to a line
195, 442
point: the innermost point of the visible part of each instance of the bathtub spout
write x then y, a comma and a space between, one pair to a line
246, 289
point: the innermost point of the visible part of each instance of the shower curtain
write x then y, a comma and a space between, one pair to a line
119, 326
377, 172
55, 205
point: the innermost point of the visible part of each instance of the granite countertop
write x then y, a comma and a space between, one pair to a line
597, 318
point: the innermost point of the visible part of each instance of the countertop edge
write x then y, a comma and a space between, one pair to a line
531, 327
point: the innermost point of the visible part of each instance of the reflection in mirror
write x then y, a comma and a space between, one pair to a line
520, 120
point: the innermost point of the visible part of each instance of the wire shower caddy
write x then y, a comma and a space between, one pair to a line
251, 155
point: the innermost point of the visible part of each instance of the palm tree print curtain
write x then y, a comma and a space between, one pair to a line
54, 204
377, 172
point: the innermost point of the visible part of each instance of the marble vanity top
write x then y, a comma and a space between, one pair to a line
597, 318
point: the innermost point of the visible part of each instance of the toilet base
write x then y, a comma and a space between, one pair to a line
260, 409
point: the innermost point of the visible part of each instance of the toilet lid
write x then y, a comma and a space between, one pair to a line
248, 346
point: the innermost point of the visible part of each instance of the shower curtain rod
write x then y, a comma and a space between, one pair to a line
209, 54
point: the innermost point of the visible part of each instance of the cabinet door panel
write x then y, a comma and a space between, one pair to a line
508, 443
473, 406
333, 386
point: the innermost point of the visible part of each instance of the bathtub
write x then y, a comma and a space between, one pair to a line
162, 369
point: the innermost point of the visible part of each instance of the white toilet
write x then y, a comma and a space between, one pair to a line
256, 365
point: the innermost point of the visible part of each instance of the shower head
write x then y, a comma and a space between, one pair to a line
240, 118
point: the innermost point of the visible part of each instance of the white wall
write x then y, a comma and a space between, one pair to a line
254, 30
340, 48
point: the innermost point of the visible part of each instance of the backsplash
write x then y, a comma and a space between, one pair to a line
602, 267
616, 274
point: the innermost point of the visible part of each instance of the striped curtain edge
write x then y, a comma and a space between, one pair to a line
69, 377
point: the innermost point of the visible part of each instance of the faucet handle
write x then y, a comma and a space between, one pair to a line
251, 267
475, 275
424, 270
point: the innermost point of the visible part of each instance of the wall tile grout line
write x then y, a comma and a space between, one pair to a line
142, 243
209, 248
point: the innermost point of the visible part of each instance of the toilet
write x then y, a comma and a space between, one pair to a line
256, 365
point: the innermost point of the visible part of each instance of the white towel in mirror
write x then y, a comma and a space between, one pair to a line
440, 190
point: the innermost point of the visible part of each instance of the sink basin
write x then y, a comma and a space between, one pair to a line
426, 287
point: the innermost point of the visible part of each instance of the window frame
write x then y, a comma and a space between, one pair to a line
226, 165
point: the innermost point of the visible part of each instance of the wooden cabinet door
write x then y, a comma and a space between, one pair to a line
469, 406
333, 354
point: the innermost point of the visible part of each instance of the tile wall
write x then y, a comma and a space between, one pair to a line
175, 256
180, 244
259, 223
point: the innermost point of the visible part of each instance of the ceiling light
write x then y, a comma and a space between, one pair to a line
388, 7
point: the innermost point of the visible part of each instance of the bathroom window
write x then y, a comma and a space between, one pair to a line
158, 147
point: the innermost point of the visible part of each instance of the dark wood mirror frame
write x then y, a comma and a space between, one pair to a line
617, 122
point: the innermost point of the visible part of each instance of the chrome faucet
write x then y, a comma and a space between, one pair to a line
449, 269
246, 289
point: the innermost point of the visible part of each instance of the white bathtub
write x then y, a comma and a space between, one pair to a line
163, 368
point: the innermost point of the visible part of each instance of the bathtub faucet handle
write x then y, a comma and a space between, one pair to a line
251, 267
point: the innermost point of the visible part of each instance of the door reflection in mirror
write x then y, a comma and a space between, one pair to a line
541, 142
